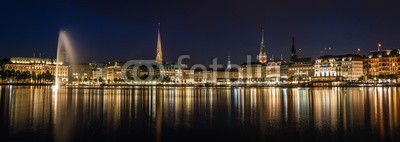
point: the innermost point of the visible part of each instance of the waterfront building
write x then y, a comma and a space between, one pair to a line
221, 76
207, 76
185, 76
169, 72
301, 69
142, 73
339, 67
273, 71
99, 73
174, 73
179, 74
284, 70
114, 72
218, 77
252, 72
383, 64
352, 67
80, 73
227, 76
326, 68
38, 69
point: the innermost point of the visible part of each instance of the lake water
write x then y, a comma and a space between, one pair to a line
39, 113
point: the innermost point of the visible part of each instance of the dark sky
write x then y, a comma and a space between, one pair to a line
104, 30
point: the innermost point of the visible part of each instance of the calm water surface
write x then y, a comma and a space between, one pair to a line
38, 113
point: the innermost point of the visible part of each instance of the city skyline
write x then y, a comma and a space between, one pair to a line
199, 70
131, 37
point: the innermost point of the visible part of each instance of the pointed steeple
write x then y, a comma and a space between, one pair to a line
159, 50
293, 52
262, 57
228, 66
379, 46
262, 38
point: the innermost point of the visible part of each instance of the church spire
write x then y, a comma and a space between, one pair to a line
262, 57
293, 52
379, 46
229, 66
159, 50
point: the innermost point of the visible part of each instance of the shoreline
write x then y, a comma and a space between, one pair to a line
315, 84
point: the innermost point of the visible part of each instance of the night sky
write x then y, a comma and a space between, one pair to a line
106, 30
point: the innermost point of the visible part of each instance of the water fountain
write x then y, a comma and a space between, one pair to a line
65, 55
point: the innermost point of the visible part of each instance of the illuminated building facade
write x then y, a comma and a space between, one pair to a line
36, 67
169, 71
178, 74
340, 67
99, 73
205, 76
284, 70
273, 71
301, 69
226, 76
114, 72
327, 68
185, 76
383, 64
352, 67
252, 72
80, 73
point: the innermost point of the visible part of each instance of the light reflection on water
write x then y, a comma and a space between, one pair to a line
177, 113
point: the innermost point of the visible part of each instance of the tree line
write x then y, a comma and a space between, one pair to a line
26, 76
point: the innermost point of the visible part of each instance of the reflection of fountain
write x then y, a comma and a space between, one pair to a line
65, 56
